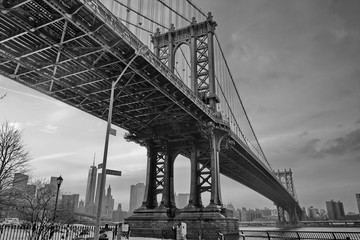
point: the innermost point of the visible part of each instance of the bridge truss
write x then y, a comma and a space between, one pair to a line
73, 50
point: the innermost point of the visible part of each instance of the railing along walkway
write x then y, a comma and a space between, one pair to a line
86, 232
250, 234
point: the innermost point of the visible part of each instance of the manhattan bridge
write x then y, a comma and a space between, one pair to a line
172, 89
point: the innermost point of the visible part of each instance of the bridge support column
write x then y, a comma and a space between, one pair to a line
150, 201
195, 192
293, 216
216, 136
168, 199
213, 99
281, 214
215, 199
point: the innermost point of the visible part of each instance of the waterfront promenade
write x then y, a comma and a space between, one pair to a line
245, 233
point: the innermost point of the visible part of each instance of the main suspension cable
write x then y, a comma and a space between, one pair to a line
242, 105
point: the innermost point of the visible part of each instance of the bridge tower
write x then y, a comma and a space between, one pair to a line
203, 220
287, 179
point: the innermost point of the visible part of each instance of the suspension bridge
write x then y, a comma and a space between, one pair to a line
174, 94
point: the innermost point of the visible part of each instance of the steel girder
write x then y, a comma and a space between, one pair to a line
73, 50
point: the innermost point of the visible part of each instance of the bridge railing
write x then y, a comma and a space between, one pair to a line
249, 235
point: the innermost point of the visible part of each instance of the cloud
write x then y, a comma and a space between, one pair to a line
15, 125
304, 133
312, 149
347, 144
53, 156
49, 129
29, 95
341, 145
59, 115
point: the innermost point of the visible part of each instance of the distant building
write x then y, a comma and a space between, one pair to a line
52, 186
136, 196
108, 204
119, 215
323, 214
266, 213
70, 201
53, 181
312, 213
81, 206
20, 180
31, 190
274, 213
90, 190
335, 210
249, 215
182, 200
357, 195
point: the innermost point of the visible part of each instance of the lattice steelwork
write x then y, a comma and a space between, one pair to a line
144, 17
72, 50
287, 180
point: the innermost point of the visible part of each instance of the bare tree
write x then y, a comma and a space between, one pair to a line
36, 205
3, 96
14, 158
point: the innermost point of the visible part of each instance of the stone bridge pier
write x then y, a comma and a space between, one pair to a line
156, 219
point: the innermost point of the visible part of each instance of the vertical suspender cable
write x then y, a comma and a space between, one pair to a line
237, 93
122, 11
177, 16
198, 9
152, 15
141, 22
162, 13
128, 14
112, 6
170, 13
147, 22
189, 12
184, 13
156, 16
137, 30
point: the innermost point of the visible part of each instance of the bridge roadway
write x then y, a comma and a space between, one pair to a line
72, 50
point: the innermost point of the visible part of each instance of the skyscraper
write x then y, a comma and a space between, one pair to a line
53, 181
70, 201
20, 180
136, 196
335, 210
90, 188
357, 195
108, 204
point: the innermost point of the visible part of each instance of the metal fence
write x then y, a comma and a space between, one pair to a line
303, 235
87, 232
28, 232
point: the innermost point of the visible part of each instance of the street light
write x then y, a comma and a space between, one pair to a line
138, 52
59, 181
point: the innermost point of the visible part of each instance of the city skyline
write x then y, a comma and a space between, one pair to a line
136, 193
296, 67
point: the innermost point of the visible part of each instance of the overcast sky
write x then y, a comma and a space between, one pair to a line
297, 68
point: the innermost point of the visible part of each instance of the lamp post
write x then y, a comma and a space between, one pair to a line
59, 181
138, 52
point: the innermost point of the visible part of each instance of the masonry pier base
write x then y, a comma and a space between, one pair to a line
200, 222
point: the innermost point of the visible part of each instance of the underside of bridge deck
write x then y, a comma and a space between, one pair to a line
73, 50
